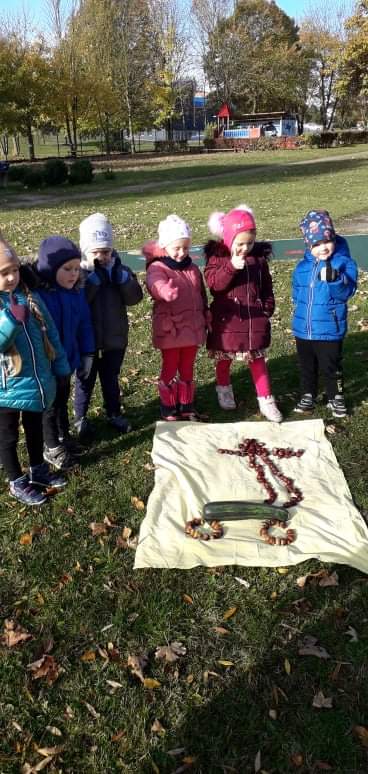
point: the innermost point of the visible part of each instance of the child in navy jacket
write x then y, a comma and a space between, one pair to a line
58, 267
322, 283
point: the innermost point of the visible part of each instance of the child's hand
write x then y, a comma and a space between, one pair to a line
238, 262
122, 275
328, 273
170, 292
19, 311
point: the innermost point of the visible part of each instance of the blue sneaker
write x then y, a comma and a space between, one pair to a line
41, 476
22, 490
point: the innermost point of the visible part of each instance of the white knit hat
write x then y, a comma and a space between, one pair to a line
95, 231
171, 229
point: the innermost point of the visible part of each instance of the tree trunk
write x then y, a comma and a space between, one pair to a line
130, 127
31, 149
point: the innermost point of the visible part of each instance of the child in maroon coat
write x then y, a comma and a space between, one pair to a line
238, 277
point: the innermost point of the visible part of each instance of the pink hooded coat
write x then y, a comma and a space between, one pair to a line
182, 322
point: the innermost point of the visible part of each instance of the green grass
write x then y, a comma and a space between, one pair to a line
68, 586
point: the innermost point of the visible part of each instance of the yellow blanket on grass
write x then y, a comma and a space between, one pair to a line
190, 472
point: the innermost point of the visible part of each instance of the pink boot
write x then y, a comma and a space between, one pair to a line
168, 399
186, 391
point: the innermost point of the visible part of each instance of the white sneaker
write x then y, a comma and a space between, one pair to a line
225, 397
268, 408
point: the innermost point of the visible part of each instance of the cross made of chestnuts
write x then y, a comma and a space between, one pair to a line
258, 456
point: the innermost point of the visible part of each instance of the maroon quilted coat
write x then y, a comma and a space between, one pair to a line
243, 300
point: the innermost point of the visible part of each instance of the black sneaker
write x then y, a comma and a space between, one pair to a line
59, 457
337, 407
41, 476
82, 428
120, 423
306, 404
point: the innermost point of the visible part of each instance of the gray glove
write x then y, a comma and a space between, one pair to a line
84, 369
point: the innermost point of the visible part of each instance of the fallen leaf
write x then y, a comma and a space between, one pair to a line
243, 582
125, 540
14, 634
54, 730
329, 580
350, 632
297, 760
46, 751
190, 679
118, 736
151, 683
257, 762
229, 613
137, 503
189, 760
225, 663
27, 769
98, 528
287, 666
171, 652
188, 599
137, 664
272, 714
92, 710
157, 727
113, 684
26, 539
88, 655
310, 648
46, 667
362, 733
322, 702
220, 630
283, 570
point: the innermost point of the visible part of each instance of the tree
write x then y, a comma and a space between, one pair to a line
250, 54
353, 79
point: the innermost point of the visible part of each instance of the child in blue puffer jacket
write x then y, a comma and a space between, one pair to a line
58, 267
322, 283
31, 356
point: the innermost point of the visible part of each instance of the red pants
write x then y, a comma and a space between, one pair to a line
258, 369
178, 360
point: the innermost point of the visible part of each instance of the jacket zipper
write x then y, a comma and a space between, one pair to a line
3, 373
248, 304
334, 315
310, 300
34, 367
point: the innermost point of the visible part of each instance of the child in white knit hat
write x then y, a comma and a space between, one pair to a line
179, 315
110, 287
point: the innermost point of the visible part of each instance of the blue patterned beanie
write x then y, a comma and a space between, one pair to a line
316, 227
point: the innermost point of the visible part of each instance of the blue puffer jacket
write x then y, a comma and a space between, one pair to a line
33, 389
320, 307
72, 317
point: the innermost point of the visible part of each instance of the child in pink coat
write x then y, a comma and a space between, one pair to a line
179, 315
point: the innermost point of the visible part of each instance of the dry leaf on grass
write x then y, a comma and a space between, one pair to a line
329, 580
220, 630
350, 632
242, 582
297, 760
287, 666
157, 727
320, 578
92, 710
137, 664
88, 655
28, 769
46, 667
137, 503
171, 652
151, 683
54, 730
321, 701
98, 528
223, 662
125, 540
257, 762
361, 732
229, 613
188, 599
309, 647
13, 634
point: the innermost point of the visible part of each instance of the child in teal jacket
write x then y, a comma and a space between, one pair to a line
31, 356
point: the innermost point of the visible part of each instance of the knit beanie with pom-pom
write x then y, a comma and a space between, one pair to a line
227, 226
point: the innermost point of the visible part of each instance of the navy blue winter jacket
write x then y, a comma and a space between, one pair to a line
71, 314
320, 307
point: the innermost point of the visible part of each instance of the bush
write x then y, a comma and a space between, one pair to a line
34, 177
81, 171
209, 143
170, 146
16, 172
55, 172
209, 131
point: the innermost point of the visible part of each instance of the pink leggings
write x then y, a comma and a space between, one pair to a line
178, 360
258, 369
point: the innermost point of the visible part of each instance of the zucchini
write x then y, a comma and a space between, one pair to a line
237, 510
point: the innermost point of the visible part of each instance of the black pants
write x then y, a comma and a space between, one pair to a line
323, 357
56, 419
108, 368
9, 436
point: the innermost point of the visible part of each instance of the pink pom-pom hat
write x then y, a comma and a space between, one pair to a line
228, 226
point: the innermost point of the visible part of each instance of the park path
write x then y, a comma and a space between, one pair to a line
36, 200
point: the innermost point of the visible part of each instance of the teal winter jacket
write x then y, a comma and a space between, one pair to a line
33, 389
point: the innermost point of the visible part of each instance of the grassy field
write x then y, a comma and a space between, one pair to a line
86, 610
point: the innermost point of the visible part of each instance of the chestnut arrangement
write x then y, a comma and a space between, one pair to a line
277, 541
194, 530
258, 456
